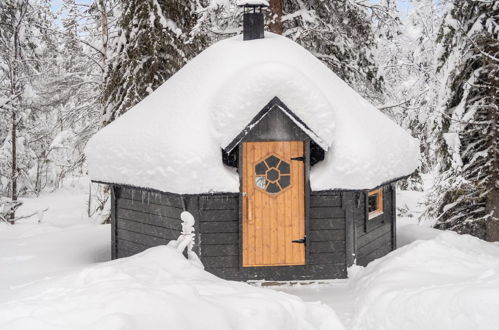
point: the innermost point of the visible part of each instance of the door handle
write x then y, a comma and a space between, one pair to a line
301, 240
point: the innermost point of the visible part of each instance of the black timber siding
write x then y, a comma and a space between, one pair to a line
220, 246
375, 237
143, 219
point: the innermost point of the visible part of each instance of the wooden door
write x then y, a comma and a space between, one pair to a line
273, 203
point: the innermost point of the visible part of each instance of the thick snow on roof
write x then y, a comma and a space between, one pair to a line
171, 140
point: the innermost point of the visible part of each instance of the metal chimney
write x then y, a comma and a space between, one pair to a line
253, 18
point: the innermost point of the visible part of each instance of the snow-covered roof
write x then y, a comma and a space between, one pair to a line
171, 140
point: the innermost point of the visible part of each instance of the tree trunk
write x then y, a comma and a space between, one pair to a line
493, 197
13, 174
104, 28
275, 24
493, 222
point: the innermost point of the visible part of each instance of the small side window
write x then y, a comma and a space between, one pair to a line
375, 203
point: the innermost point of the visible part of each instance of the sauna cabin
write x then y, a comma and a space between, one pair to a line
289, 173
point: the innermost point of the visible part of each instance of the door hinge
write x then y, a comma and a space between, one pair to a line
301, 158
301, 240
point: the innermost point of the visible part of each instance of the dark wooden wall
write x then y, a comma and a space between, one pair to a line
219, 244
337, 231
376, 237
142, 219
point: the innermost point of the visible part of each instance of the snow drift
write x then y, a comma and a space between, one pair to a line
171, 140
158, 289
450, 282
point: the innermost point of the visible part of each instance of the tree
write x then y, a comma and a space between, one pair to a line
406, 60
152, 45
465, 196
22, 40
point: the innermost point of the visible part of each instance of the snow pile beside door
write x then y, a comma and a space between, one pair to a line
450, 282
158, 289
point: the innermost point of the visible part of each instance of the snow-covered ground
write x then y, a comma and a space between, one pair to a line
52, 277
66, 239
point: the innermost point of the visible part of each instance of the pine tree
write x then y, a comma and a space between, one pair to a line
152, 45
465, 197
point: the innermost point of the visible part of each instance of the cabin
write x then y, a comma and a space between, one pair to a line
289, 173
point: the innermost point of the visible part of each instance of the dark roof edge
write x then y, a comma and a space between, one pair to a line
161, 191
236, 193
266, 109
369, 189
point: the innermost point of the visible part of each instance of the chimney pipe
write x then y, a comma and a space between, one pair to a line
253, 22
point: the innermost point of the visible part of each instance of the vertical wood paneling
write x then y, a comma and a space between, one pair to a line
271, 222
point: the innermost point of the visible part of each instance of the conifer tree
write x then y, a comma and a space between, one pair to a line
153, 43
465, 197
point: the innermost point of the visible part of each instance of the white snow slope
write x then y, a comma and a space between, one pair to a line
449, 282
159, 289
171, 140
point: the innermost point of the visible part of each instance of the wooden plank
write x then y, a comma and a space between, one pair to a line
326, 212
376, 244
373, 235
147, 229
220, 250
327, 246
349, 229
219, 215
325, 200
227, 261
217, 202
267, 219
130, 246
146, 196
393, 209
336, 223
114, 248
148, 218
218, 238
375, 254
288, 221
162, 210
326, 258
327, 235
143, 239
219, 227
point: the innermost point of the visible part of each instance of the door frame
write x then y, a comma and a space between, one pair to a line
306, 178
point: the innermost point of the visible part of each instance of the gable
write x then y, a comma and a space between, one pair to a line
275, 122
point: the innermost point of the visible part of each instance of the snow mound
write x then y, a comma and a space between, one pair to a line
450, 282
158, 289
171, 140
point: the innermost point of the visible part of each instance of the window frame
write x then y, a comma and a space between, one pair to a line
380, 200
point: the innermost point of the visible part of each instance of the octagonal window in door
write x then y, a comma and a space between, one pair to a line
272, 175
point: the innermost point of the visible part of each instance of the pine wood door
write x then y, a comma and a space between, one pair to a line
273, 203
